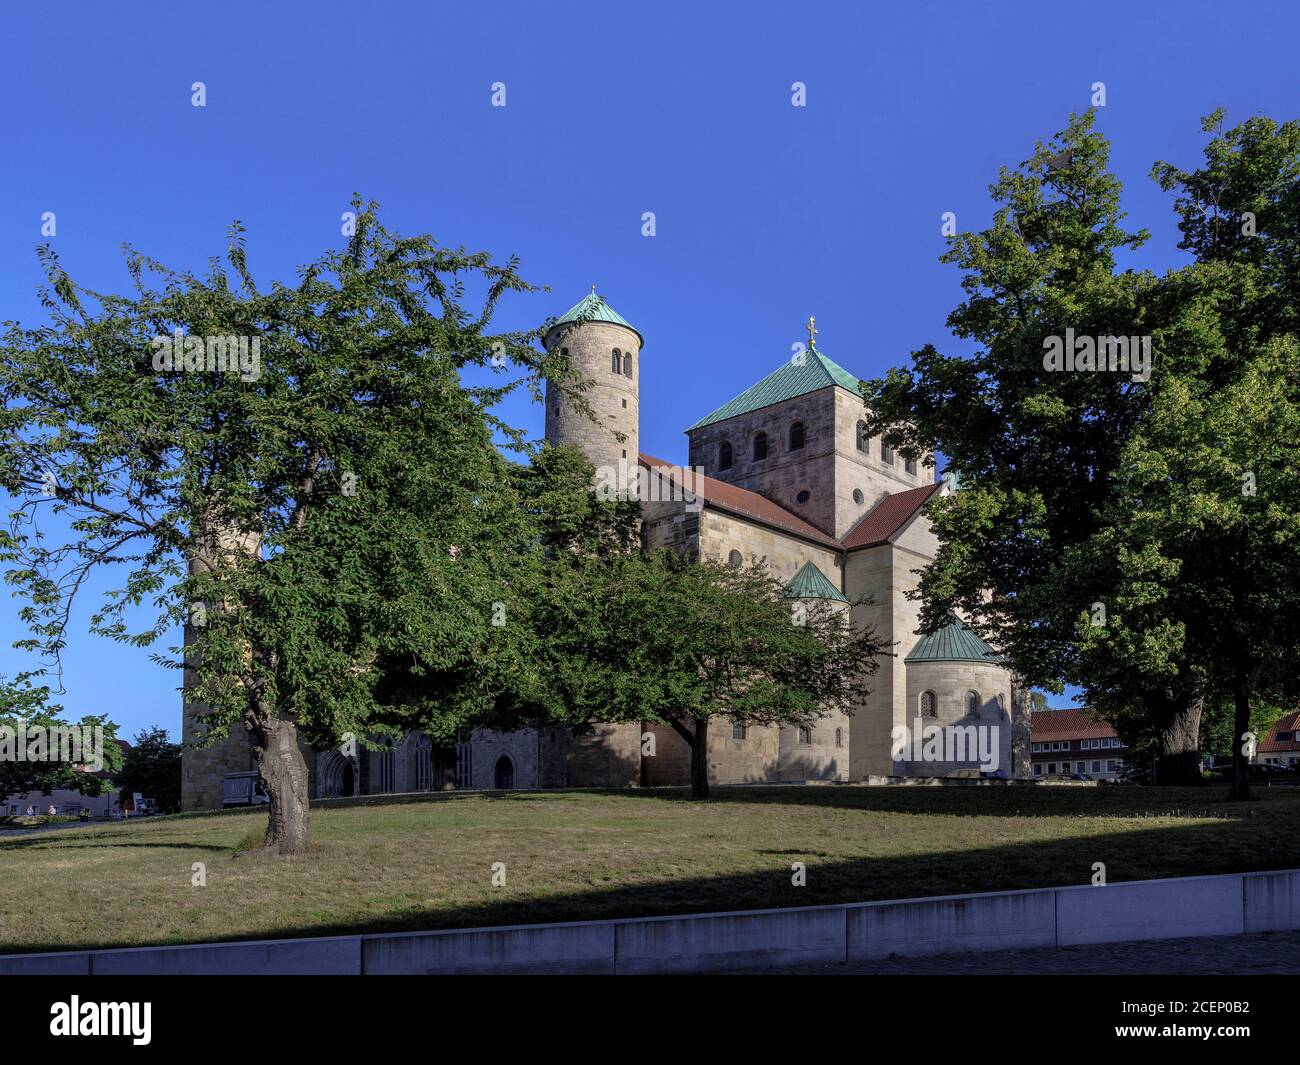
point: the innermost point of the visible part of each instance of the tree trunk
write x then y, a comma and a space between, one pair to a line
1240, 726
1179, 760
700, 759
284, 776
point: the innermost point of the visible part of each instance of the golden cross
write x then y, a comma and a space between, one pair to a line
812, 331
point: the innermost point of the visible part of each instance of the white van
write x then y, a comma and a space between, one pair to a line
242, 789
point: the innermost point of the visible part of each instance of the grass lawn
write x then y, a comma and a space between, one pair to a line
394, 863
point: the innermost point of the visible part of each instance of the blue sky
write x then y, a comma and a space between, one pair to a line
765, 212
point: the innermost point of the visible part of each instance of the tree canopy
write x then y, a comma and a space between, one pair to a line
332, 496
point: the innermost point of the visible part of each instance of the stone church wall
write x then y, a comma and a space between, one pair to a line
784, 473
869, 574
613, 397
950, 681
721, 533
751, 760
489, 746
865, 471
824, 757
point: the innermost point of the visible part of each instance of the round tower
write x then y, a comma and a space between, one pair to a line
605, 350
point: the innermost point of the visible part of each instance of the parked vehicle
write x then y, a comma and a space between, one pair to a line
1135, 774
243, 789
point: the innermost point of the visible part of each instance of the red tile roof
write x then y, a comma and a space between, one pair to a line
1270, 743
1067, 725
886, 519
739, 501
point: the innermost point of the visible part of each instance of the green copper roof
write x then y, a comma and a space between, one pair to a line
955, 642
811, 583
785, 382
593, 308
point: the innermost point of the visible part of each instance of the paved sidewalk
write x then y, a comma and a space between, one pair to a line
1268, 953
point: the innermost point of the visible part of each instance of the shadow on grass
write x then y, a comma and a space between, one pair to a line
926, 800
75, 844
1166, 851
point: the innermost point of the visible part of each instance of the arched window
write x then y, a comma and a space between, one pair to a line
839, 737
910, 466
803, 734
760, 447
724, 455
973, 704
627, 364
796, 436
886, 454
504, 777
928, 706
616, 361
863, 439
386, 767
735, 559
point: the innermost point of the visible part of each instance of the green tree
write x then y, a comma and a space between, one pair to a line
1203, 532
27, 718
662, 637
1033, 451
561, 534
333, 500
152, 767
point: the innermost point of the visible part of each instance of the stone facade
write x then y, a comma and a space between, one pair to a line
952, 683
796, 504
613, 395
842, 482
608, 756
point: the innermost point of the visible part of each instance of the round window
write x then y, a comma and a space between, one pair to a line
858, 497
803, 496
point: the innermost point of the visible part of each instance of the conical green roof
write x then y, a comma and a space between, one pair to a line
811, 583
955, 642
788, 380
593, 308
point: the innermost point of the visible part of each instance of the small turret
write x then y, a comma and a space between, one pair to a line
604, 348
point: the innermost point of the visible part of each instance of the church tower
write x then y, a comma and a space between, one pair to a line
605, 350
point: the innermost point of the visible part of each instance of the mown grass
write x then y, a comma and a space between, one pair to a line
397, 862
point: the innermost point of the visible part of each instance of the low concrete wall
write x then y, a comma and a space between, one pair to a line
1000, 920
1272, 901
1150, 909
1005, 920
579, 947
751, 939
68, 963
329, 956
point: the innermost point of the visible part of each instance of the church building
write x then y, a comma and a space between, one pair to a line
784, 475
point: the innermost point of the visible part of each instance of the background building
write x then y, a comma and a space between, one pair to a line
1068, 742
1281, 746
69, 803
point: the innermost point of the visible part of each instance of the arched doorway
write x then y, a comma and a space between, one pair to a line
335, 776
505, 774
